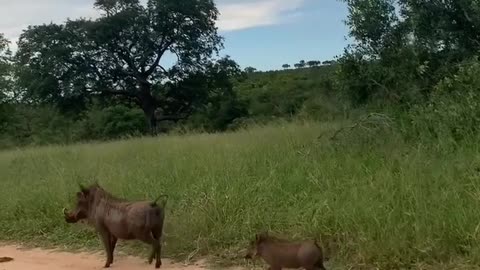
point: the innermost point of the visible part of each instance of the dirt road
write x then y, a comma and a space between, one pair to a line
38, 259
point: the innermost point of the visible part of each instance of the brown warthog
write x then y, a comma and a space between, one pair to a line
280, 253
115, 218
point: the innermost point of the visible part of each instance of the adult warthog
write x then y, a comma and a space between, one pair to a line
115, 218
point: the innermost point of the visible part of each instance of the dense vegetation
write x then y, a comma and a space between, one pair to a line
104, 79
398, 185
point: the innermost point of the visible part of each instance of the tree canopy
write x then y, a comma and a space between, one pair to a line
5, 68
120, 53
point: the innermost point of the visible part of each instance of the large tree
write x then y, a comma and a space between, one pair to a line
120, 54
5, 68
6, 82
404, 47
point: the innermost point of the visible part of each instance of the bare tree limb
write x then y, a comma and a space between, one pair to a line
155, 64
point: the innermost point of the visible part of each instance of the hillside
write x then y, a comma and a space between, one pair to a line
307, 92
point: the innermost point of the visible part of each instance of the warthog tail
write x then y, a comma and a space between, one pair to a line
164, 202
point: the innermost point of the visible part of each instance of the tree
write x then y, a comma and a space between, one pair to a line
313, 63
404, 47
5, 79
300, 64
221, 106
250, 69
5, 68
286, 66
383, 62
120, 54
327, 62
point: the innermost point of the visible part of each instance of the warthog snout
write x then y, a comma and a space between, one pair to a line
69, 217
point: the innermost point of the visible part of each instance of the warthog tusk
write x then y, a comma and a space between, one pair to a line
64, 211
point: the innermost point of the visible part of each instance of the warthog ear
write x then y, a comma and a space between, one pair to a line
83, 189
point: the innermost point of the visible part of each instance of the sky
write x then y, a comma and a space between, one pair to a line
264, 34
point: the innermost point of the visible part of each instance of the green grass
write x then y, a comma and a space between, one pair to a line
385, 204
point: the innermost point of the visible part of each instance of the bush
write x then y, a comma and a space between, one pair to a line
111, 123
454, 108
26, 125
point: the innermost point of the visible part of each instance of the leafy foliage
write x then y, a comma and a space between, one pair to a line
120, 53
5, 68
454, 109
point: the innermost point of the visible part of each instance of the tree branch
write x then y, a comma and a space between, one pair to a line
155, 64
129, 62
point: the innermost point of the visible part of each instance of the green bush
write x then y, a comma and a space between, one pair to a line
39, 125
453, 112
111, 123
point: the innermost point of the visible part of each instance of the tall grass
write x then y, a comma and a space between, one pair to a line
386, 204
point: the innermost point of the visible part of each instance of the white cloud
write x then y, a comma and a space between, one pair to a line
242, 14
16, 15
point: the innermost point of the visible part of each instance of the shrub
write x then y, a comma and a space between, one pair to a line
454, 108
110, 123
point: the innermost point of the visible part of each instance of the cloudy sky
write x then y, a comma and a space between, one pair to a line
260, 33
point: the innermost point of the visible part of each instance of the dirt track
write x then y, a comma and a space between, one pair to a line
39, 259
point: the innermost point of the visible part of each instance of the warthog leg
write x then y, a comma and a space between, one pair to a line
158, 263
152, 239
113, 243
106, 239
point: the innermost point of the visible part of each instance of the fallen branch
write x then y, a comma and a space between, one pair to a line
361, 123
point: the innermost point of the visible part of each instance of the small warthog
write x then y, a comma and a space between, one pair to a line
280, 253
115, 218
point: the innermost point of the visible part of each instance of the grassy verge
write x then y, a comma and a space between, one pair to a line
387, 204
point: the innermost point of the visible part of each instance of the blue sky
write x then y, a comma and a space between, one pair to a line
264, 34
315, 32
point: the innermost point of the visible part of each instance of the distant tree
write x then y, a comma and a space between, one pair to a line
327, 62
250, 69
313, 63
286, 66
300, 64
119, 55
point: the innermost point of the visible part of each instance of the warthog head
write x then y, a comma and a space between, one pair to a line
82, 208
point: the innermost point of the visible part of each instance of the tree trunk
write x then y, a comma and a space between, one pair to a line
149, 105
